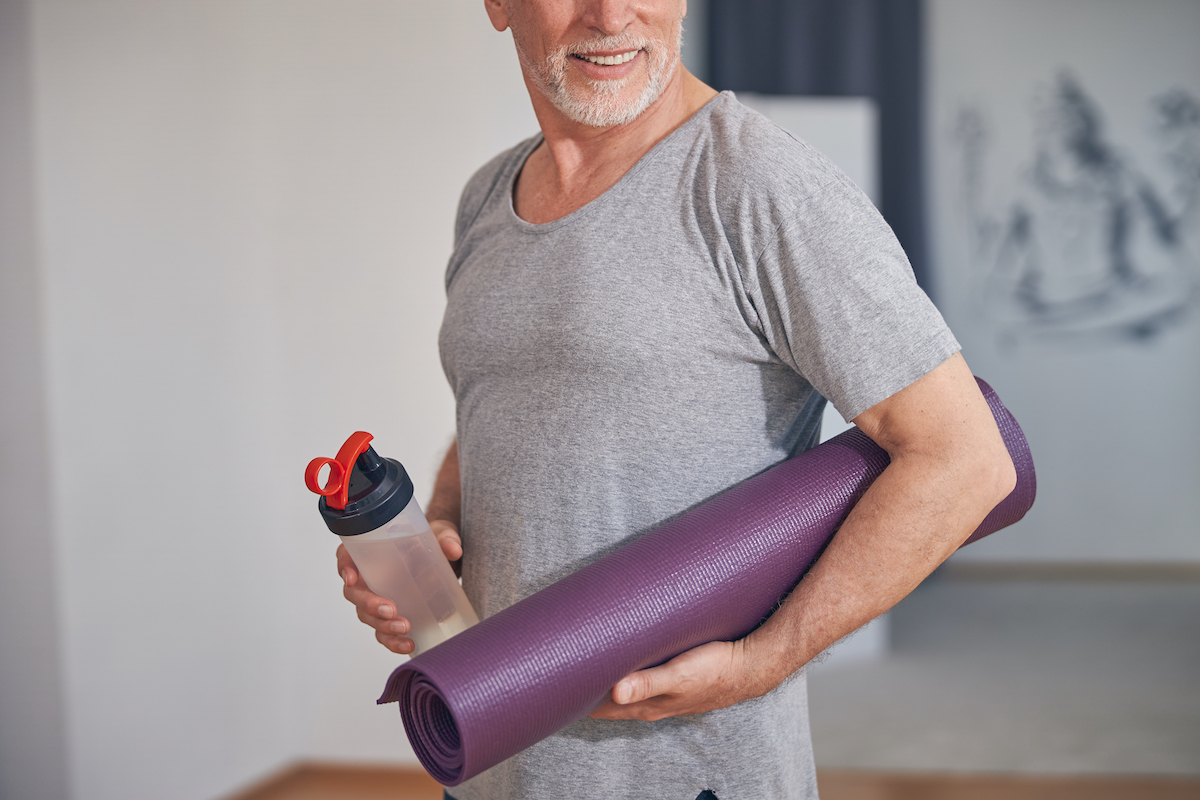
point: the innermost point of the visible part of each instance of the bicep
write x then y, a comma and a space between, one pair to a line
941, 415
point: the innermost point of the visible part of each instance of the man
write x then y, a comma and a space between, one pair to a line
641, 301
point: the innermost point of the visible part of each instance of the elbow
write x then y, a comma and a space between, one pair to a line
997, 475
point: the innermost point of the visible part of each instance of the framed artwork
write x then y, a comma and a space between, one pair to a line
1064, 146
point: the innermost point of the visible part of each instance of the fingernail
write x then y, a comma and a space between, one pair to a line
387, 612
624, 690
399, 626
346, 576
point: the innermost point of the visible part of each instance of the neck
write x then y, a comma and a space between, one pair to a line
577, 163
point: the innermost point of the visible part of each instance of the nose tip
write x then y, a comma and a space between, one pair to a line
609, 17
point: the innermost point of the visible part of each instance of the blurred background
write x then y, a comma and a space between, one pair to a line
223, 228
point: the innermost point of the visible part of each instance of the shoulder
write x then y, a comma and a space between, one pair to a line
750, 154
750, 183
488, 180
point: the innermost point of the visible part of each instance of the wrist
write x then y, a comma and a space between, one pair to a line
772, 653
755, 667
437, 511
446, 501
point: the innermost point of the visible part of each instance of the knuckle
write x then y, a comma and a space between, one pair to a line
367, 618
355, 597
392, 643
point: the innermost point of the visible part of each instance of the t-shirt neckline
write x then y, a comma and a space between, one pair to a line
524, 152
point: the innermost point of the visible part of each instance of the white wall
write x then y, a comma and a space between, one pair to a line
222, 237
244, 209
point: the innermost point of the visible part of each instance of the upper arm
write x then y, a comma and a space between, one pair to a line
942, 417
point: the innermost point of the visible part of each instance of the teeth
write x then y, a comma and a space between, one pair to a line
609, 61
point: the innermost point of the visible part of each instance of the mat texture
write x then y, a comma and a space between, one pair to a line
714, 573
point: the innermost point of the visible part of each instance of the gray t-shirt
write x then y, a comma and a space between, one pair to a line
620, 365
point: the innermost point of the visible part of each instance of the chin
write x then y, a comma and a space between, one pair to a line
606, 108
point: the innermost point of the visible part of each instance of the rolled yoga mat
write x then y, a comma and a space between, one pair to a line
712, 574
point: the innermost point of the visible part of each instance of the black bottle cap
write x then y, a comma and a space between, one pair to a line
379, 489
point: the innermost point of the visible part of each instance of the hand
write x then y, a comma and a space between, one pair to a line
379, 612
708, 677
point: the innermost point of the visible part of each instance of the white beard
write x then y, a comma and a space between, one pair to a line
600, 104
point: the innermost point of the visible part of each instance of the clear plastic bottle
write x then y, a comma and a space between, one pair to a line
368, 502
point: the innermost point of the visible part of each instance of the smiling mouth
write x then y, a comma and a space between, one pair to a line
609, 61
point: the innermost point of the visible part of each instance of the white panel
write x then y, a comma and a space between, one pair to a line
846, 129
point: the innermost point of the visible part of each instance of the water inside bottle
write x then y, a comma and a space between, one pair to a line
412, 572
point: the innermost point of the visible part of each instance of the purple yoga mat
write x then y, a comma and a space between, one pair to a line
714, 573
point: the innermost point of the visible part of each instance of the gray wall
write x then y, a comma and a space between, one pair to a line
33, 764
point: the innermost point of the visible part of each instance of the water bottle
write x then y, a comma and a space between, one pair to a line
368, 502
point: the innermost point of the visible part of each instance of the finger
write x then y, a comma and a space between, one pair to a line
608, 710
346, 567
401, 645
357, 592
451, 547
448, 537
370, 604
651, 710
644, 684
372, 609
366, 601
382, 614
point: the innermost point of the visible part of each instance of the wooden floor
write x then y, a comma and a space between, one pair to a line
340, 782
894, 786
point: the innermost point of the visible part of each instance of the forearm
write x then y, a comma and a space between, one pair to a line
918, 512
949, 468
446, 501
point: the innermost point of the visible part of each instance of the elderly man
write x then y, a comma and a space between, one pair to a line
643, 303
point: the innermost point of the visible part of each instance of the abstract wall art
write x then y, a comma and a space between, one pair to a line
1063, 145
1086, 244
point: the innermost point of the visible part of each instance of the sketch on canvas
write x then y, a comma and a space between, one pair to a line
1089, 245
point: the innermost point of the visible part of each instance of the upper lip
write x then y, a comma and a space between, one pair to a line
603, 53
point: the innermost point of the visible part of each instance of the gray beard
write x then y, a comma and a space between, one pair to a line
602, 106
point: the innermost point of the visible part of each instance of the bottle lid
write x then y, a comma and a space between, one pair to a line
363, 491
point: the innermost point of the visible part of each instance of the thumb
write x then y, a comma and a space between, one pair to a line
642, 685
447, 536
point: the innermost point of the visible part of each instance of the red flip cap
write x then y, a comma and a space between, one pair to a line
338, 484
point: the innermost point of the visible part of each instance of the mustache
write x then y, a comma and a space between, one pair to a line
621, 41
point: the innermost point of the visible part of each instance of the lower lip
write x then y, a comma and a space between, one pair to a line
602, 71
